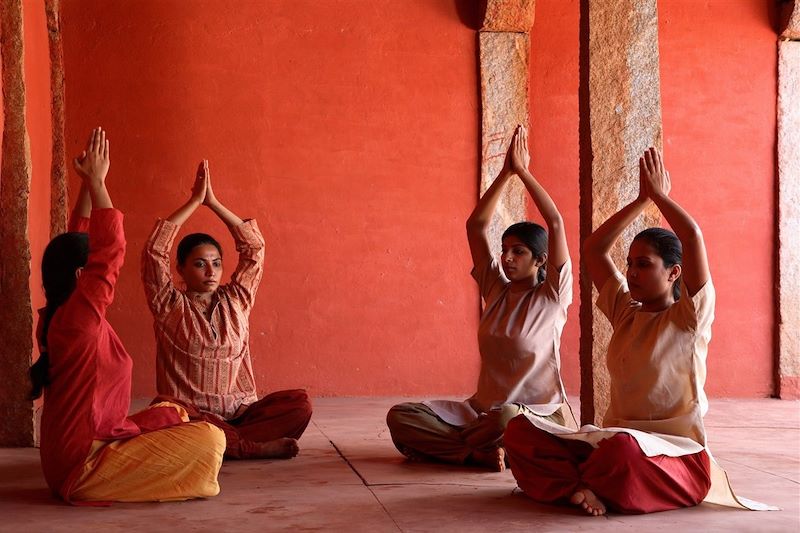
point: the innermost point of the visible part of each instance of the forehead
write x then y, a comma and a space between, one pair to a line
642, 248
204, 251
510, 241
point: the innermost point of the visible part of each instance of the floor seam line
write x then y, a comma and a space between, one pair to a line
762, 471
363, 480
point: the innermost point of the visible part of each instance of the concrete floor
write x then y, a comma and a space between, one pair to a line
348, 477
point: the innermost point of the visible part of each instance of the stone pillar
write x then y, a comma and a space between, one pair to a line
16, 322
504, 46
620, 68
788, 286
58, 184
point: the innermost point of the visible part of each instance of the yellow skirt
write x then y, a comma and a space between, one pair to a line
176, 463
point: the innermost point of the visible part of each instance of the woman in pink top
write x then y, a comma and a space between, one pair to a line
651, 454
91, 449
203, 332
525, 297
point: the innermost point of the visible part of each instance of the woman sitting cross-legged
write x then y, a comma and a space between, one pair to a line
203, 332
525, 295
91, 450
651, 454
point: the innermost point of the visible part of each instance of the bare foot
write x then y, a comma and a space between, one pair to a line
284, 448
494, 460
412, 456
590, 503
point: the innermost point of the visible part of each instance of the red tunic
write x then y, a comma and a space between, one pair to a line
90, 372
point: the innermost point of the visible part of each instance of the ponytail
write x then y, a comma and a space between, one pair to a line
65, 254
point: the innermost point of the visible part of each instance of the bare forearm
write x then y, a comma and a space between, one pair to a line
183, 213
226, 215
542, 199
100, 198
679, 220
604, 237
482, 214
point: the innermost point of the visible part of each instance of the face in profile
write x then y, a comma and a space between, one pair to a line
517, 260
202, 270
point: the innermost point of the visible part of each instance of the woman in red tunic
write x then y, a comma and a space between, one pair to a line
91, 449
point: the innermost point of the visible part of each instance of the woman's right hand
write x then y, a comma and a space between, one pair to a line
200, 183
92, 165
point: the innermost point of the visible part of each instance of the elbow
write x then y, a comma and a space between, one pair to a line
475, 225
692, 235
555, 224
590, 246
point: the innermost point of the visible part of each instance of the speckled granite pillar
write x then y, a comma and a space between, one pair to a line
624, 108
16, 322
58, 183
788, 286
504, 46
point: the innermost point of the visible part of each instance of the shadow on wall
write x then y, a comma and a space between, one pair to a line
471, 13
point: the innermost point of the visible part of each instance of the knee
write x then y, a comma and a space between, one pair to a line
210, 438
516, 431
304, 405
506, 413
397, 417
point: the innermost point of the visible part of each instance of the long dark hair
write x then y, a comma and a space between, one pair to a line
534, 237
192, 241
668, 247
63, 256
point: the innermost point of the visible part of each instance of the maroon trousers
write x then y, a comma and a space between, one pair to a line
550, 470
280, 414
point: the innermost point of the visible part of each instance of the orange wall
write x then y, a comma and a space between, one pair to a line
554, 142
349, 129
718, 88
39, 125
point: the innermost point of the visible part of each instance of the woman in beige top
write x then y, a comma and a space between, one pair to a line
651, 454
525, 307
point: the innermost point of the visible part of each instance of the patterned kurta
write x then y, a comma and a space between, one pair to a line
205, 362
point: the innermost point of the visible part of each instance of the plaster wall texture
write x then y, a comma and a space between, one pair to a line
348, 129
358, 152
719, 107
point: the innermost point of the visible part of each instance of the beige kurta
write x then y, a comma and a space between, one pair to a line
518, 338
657, 368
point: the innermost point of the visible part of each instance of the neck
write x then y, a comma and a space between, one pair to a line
523, 284
658, 305
202, 297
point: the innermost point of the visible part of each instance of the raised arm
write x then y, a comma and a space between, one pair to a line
478, 221
557, 251
196, 198
597, 247
694, 269
225, 214
94, 290
92, 166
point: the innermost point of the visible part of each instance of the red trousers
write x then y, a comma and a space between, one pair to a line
550, 470
280, 414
